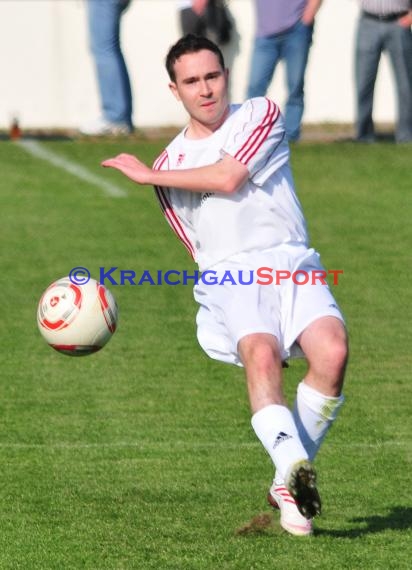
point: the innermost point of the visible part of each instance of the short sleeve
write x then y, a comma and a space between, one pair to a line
257, 138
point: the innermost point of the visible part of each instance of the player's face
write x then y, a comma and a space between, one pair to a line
201, 85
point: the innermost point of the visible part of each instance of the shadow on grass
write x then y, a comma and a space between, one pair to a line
399, 518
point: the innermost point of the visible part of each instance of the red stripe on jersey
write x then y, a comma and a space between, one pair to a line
259, 135
173, 220
265, 133
160, 160
256, 134
167, 208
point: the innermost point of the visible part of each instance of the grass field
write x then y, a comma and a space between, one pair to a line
142, 456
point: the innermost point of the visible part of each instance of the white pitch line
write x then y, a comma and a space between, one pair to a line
178, 446
39, 151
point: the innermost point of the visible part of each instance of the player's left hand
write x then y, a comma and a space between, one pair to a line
130, 166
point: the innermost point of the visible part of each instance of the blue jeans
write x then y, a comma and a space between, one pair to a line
373, 38
112, 76
292, 46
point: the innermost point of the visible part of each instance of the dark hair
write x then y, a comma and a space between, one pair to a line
190, 44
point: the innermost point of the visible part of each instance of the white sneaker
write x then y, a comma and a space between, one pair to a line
290, 518
100, 127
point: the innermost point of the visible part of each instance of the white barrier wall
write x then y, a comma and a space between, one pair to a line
47, 75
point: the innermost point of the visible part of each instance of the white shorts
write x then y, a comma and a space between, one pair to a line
230, 311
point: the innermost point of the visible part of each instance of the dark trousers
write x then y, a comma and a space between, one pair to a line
373, 38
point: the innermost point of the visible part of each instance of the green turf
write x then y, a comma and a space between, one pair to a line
142, 456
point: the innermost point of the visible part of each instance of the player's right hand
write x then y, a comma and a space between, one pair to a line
130, 166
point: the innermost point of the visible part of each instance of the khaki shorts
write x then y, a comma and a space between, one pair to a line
228, 311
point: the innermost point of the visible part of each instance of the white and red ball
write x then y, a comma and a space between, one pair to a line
77, 319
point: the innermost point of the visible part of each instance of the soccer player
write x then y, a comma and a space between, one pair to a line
225, 186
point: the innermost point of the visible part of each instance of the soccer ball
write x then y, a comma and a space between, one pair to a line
77, 319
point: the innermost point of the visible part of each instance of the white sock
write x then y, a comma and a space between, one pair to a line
314, 414
276, 429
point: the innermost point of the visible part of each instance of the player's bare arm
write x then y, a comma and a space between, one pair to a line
225, 176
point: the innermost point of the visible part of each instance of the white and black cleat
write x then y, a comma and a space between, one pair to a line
301, 484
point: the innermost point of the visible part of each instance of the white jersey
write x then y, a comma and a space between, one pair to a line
263, 213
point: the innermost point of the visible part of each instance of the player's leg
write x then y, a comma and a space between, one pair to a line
319, 397
273, 421
262, 361
325, 345
317, 404
311, 315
